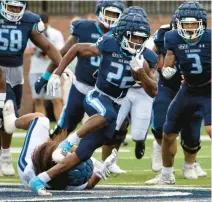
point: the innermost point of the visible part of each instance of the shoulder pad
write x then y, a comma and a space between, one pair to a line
78, 26
30, 17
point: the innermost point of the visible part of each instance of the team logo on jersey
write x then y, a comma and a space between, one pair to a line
116, 55
95, 36
201, 45
182, 46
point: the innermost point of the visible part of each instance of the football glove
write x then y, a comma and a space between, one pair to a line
168, 72
110, 160
39, 84
68, 75
53, 86
101, 170
137, 62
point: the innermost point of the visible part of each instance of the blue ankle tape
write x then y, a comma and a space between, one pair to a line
46, 75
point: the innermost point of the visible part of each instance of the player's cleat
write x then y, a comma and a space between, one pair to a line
115, 169
198, 170
62, 151
6, 165
139, 149
38, 186
163, 179
188, 171
156, 157
9, 117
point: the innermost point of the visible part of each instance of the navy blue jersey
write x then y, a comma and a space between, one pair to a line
114, 77
175, 82
86, 31
14, 37
194, 59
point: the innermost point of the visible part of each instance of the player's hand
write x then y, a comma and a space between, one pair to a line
68, 75
110, 160
101, 170
39, 84
137, 62
53, 86
168, 72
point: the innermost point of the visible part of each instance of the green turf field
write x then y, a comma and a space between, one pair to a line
138, 171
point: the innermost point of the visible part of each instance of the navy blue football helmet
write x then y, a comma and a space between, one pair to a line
137, 10
129, 25
104, 10
191, 13
12, 16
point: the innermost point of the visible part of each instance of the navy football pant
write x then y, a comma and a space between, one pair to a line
188, 102
96, 103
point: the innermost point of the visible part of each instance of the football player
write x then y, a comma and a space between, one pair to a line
189, 45
113, 81
167, 89
139, 104
85, 31
36, 155
17, 25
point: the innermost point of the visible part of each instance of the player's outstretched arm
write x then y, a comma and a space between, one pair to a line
168, 71
82, 49
68, 44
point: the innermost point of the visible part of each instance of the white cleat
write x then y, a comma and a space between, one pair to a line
6, 165
188, 171
156, 157
198, 170
115, 169
162, 179
9, 117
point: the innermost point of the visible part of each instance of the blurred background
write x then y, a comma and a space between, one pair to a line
62, 12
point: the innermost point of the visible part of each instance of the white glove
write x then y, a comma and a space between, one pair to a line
137, 62
101, 170
68, 75
53, 86
168, 72
110, 160
44, 192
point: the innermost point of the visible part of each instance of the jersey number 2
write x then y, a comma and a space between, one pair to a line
13, 42
197, 65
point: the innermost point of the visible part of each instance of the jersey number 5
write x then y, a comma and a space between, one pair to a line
197, 65
10, 39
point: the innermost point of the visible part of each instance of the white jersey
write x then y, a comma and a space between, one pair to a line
37, 134
39, 64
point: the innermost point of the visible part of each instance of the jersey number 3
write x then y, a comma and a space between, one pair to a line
197, 64
10, 40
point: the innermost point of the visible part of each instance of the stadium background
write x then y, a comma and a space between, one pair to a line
61, 12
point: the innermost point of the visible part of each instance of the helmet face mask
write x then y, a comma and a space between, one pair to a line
190, 28
134, 42
12, 10
109, 16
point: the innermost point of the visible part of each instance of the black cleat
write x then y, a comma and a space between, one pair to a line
139, 149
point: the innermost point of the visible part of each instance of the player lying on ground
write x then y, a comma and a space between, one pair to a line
36, 155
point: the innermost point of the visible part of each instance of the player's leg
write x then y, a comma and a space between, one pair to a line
119, 136
178, 110
140, 119
190, 142
57, 107
159, 111
14, 94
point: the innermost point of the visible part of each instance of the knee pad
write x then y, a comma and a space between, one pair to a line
192, 149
